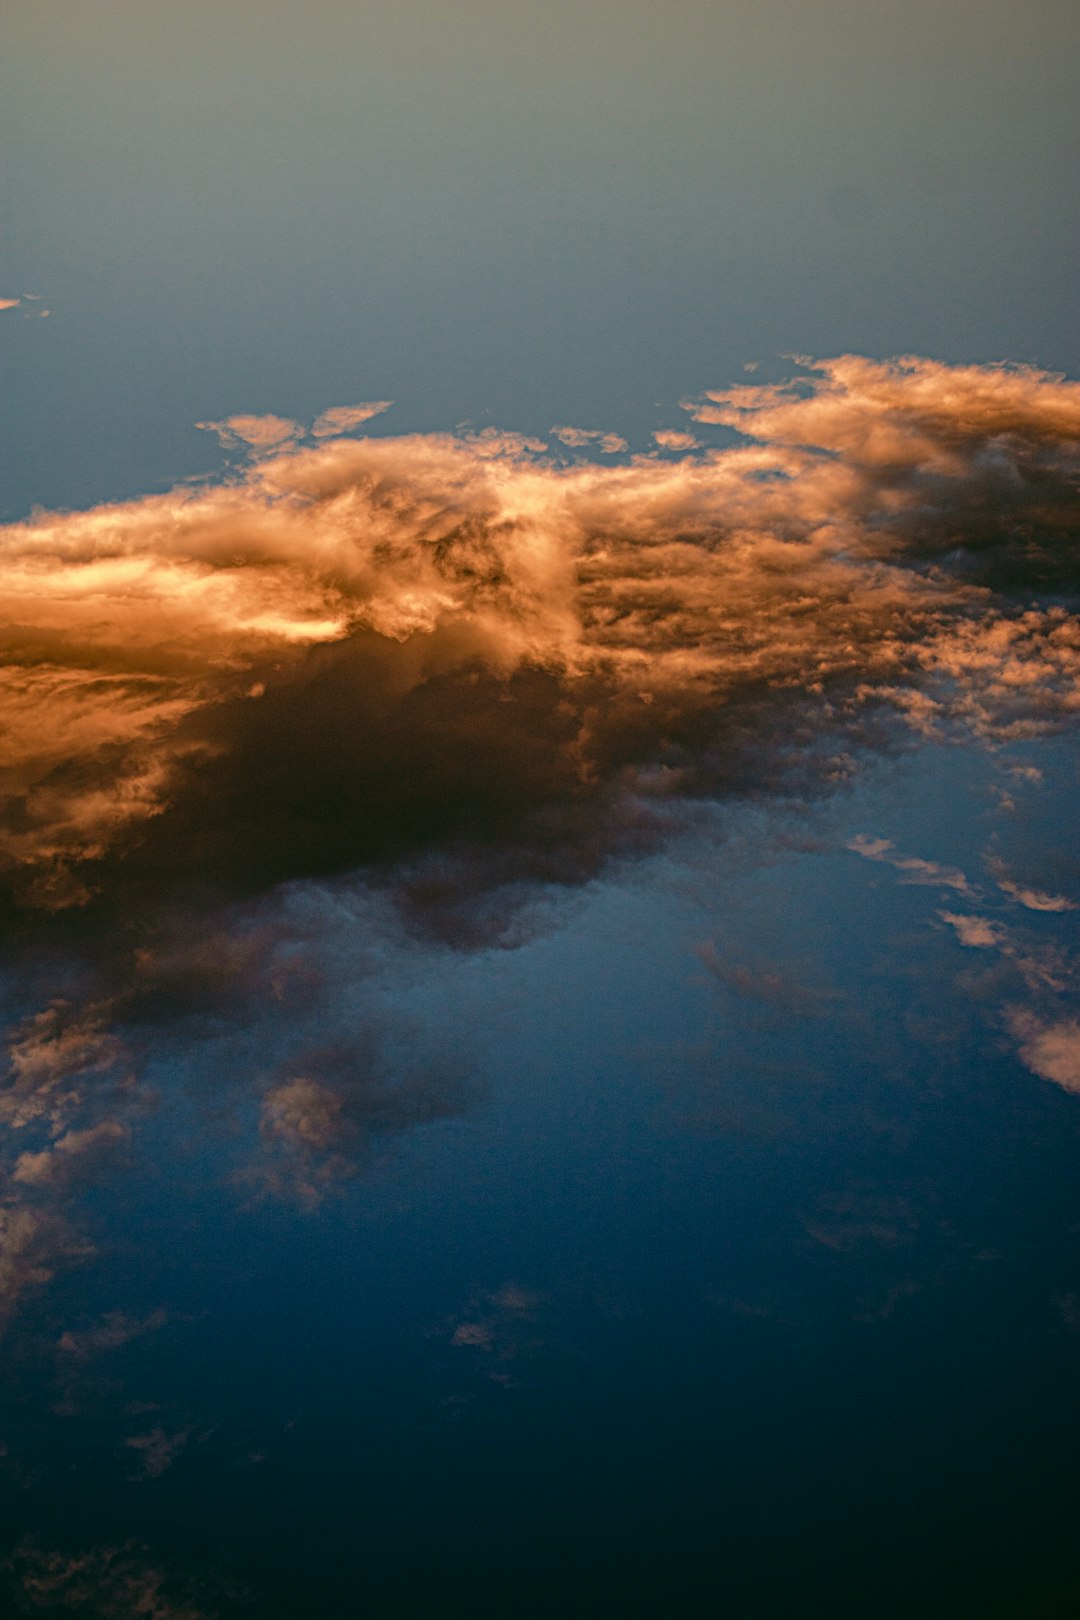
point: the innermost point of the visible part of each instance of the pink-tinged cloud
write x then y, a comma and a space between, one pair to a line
976, 932
1049, 1047
343, 418
10, 303
914, 870
1024, 894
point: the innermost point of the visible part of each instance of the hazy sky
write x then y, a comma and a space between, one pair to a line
539, 968
510, 214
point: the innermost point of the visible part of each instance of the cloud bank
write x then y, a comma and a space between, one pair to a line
353, 654
454, 671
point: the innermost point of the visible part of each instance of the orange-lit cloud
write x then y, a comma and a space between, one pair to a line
343, 418
416, 635
577, 438
675, 439
259, 432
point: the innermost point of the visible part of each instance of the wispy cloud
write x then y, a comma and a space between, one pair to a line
343, 418
257, 432
576, 438
914, 870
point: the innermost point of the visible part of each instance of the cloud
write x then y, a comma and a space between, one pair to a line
10, 303
74, 1157
258, 432
766, 982
577, 438
33, 1244
1050, 1049
926, 874
429, 677
186, 675
977, 932
157, 1450
110, 1332
318, 1125
675, 439
1030, 898
113, 1583
342, 418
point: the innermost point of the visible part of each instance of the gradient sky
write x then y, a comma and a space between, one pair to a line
539, 968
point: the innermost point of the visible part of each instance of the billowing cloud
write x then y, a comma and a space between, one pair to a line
343, 418
358, 652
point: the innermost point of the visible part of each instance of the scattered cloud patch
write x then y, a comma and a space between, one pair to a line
1050, 1049
578, 438
977, 932
257, 432
675, 439
343, 418
914, 870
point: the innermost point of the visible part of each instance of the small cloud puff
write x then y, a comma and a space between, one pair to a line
1049, 1048
577, 438
257, 432
675, 439
977, 932
341, 418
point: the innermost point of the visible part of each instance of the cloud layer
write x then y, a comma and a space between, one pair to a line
359, 652
454, 670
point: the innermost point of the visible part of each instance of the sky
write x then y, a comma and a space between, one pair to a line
539, 972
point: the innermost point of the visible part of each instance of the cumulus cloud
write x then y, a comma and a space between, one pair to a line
343, 418
361, 651
675, 439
